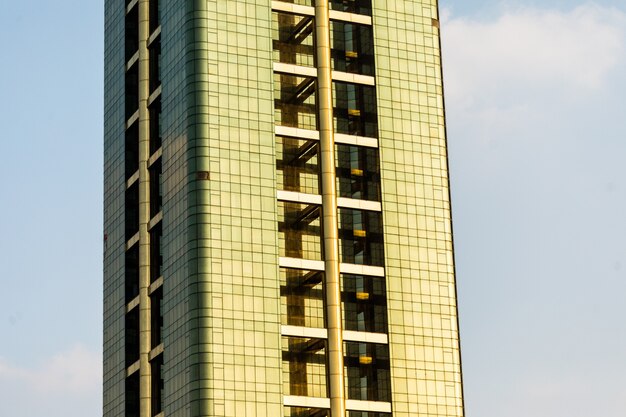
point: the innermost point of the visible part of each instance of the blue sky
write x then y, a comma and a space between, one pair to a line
535, 104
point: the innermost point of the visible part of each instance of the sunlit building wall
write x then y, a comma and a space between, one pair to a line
277, 221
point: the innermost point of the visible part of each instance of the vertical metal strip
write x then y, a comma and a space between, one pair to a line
329, 210
145, 386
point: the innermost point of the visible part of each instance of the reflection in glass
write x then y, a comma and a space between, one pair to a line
297, 165
367, 371
294, 101
304, 366
355, 109
364, 301
352, 48
299, 234
292, 39
361, 237
358, 172
302, 297
352, 6
306, 412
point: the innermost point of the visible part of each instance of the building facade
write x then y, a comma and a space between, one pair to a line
278, 237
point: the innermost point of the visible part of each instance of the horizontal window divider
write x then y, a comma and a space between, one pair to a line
132, 119
132, 60
350, 17
356, 140
371, 406
300, 331
156, 351
282, 6
155, 34
366, 337
374, 271
132, 368
156, 155
297, 263
158, 283
130, 6
353, 78
155, 220
131, 242
306, 402
132, 304
155, 94
297, 197
359, 204
295, 69
133, 178
297, 132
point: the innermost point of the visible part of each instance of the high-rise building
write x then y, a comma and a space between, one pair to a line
278, 238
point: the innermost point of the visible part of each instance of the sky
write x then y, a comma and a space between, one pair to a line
536, 125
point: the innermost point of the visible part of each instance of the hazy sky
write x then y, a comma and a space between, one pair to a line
535, 95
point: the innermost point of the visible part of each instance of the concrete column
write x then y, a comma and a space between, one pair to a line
145, 383
329, 210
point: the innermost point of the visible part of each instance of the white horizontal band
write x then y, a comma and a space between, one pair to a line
298, 263
295, 69
373, 406
351, 78
356, 140
354, 203
281, 6
311, 402
296, 132
375, 271
349, 17
300, 331
365, 337
298, 197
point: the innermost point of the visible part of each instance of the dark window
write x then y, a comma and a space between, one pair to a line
131, 156
131, 341
364, 303
157, 384
156, 188
156, 314
131, 210
132, 395
367, 371
361, 237
156, 252
306, 412
132, 90
155, 60
358, 173
132, 32
352, 6
154, 15
132, 273
155, 125
352, 48
355, 109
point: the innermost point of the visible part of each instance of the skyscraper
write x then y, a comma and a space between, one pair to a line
277, 224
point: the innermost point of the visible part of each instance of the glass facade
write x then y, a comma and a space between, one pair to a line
277, 215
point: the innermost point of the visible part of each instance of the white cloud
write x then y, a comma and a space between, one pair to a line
67, 384
533, 47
